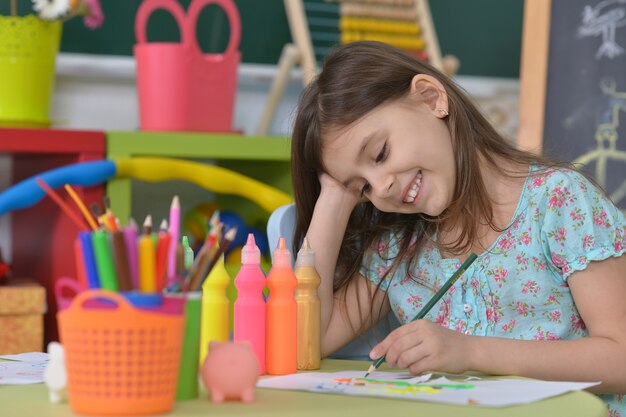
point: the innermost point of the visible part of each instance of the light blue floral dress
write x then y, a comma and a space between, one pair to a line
518, 287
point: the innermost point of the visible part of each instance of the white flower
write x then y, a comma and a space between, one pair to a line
51, 9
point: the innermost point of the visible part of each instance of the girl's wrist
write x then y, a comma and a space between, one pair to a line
473, 353
337, 202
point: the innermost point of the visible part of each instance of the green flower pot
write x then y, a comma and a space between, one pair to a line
28, 49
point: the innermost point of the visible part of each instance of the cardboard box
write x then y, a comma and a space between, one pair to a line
22, 306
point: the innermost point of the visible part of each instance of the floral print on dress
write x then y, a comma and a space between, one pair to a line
518, 287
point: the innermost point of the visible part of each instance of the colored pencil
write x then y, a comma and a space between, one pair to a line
201, 263
80, 224
162, 249
188, 254
109, 217
81, 206
79, 259
104, 260
91, 269
174, 235
214, 220
223, 246
180, 260
130, 236
122, 266
96, 210
147, 261
431, 303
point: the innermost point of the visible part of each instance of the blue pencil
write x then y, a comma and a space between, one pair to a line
91, 270
431, 303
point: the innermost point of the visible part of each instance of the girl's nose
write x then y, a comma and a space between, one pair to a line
382, 185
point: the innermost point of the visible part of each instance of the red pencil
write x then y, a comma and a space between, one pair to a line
78, 221
163, 245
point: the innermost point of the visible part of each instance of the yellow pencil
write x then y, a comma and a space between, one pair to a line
82, 207
147, 259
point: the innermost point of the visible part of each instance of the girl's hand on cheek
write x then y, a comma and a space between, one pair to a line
422, 346
334, 190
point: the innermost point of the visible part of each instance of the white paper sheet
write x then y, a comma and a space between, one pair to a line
25, 368
470, 391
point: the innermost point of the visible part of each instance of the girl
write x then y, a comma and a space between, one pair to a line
398, 178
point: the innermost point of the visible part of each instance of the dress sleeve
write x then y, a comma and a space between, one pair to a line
580, 224
378, 261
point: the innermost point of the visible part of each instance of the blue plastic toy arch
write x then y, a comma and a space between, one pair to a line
213, 178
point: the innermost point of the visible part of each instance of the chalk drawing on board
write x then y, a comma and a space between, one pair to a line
606, 137
604, 19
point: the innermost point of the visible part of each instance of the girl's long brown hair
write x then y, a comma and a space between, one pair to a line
355, 79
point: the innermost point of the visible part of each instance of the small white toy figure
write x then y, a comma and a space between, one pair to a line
55, 375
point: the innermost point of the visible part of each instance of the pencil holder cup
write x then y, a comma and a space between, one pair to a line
120, 360
187, 387
179, 87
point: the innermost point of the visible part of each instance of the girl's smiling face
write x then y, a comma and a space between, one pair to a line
399, 156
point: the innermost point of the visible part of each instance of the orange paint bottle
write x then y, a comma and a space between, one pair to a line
281, 327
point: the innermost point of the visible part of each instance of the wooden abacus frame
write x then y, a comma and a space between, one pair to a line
301, 53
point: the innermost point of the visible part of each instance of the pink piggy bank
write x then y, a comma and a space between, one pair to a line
230, 371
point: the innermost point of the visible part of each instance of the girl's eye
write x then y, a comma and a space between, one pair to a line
381, 154
365, 188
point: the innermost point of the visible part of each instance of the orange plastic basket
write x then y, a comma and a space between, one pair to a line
120, 359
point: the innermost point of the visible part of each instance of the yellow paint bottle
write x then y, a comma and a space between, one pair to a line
215, 322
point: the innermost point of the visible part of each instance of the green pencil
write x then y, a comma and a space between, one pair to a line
431, 303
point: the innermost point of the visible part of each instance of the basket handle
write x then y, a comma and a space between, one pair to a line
235, 27
79, 301
66, 283
148, 7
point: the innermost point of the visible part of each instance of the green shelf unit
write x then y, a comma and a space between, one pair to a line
266, 159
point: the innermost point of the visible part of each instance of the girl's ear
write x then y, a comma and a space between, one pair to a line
429, 90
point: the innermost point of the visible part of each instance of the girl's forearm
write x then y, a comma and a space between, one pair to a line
325, 234
588, 359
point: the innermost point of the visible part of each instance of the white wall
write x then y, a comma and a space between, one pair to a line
98, 92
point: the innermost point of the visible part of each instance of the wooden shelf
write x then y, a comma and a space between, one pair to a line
264, 158
198, 145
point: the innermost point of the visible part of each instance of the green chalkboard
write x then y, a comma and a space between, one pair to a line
584, 99
264, 30
484, 34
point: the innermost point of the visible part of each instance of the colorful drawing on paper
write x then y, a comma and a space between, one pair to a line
462, 391
387, 388
398, 387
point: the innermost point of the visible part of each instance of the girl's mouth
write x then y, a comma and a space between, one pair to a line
414, 188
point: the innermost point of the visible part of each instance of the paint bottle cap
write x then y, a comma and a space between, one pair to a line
306, 255
282, 256
250, 254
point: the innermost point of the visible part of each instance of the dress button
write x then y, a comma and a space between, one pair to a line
467, 308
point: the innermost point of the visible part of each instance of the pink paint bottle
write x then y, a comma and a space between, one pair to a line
249, 313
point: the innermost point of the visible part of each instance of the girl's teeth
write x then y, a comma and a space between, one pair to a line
413, 191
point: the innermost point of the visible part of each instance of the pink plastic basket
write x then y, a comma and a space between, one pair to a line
179, 87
